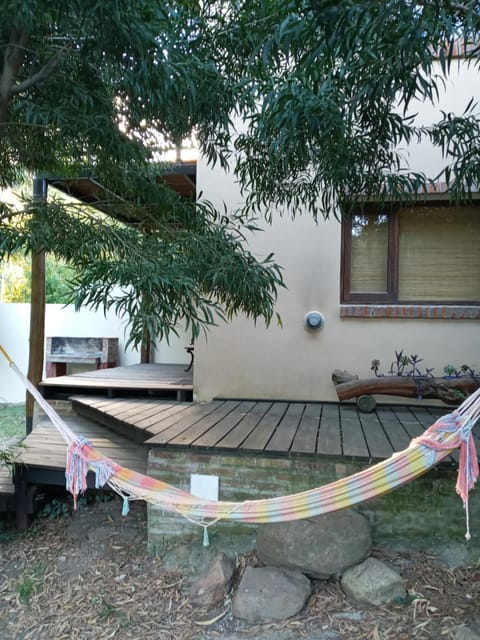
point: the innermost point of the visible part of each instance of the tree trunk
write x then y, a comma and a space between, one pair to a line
145, 351
37, 330
37, 313
146, 346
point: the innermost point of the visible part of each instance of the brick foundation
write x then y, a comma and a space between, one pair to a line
427, 508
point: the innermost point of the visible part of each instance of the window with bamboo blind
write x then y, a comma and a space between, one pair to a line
423, 254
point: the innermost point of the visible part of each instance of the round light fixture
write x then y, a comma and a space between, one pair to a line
314, 320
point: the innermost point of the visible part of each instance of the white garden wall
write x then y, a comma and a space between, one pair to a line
63, 320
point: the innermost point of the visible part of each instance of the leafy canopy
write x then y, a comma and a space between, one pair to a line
15, 277
335, 85
101, 89
325, 91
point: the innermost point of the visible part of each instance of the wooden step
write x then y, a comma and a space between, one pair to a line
157, 380
137, 419
45, 447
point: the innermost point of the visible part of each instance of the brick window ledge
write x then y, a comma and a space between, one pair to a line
426, 311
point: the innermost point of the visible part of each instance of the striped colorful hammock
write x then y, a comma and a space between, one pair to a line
448, 433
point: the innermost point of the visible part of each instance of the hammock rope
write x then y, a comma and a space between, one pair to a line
448, 433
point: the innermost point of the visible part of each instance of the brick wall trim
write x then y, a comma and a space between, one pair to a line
413, 311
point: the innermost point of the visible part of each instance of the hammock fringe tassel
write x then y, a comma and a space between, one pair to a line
452, 431
79, 462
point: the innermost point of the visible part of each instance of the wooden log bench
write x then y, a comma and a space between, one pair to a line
451, 391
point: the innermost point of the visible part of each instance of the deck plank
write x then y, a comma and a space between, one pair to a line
171, 425
7, 488
98, 403
379, 445
284, 434
409, 421
194, 431
305, 440
45, 446
222, 428
393, 428
158, 422
150, 416
259, 437
352, 433
182, 421
427, 417
135, 412
6, 483
236, 436
155, 376
329, 440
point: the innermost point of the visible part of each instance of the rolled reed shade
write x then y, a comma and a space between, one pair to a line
439, 254
369, 256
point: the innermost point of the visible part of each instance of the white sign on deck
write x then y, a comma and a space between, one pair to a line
204, 486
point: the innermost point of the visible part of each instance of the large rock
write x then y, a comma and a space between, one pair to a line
269, 593
373, 582
467, 633
214, 583
320, 547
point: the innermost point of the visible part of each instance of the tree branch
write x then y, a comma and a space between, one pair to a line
455, 6
11, 66
40, 76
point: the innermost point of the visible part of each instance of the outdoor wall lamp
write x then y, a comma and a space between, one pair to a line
314, 320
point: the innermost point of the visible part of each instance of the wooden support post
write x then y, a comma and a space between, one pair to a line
21, 500
37, 312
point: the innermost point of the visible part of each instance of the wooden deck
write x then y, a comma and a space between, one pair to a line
155, 379
284, 428
45, 448
6, 482
42, 461
125, 428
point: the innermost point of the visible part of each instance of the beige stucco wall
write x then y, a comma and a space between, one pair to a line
242, 360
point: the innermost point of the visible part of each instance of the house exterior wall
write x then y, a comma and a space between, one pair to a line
244, 360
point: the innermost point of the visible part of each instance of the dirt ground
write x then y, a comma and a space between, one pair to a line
89, 575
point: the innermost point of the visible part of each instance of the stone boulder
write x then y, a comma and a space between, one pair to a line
373, 582
269, 593
466, 633
320, 547
213, 584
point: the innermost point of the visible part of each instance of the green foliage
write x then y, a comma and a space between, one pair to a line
408, 365
16, 274
100, 90
73, 72
31, 582
187, 264
54, 509
326, 89
197, 272
12, 420
58, 276
337, 84
15, 277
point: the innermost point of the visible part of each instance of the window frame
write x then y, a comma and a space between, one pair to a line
390, 297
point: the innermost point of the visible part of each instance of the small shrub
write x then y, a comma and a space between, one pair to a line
31, 582
54, 509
